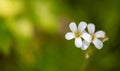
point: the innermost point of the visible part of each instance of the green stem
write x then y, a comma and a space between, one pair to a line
84, 66
88, 54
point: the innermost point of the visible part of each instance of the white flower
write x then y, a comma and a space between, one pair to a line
78, 33
95, 37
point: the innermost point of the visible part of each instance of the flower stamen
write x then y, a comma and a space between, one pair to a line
93, 36
77, 33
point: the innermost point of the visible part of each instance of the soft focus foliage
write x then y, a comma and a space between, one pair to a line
32, 35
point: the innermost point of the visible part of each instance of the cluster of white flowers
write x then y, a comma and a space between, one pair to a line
84, 37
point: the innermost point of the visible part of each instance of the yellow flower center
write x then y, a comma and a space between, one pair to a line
93, 36
77, 34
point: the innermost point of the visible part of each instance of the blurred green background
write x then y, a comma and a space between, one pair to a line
32, 35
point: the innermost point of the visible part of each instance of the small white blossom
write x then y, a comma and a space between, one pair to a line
95, 37
78, 34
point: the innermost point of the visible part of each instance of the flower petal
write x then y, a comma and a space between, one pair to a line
85, 45
100, 34
86, 37
78, 42
73, 27
91, 28
82, 26
69, 36
98, 43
